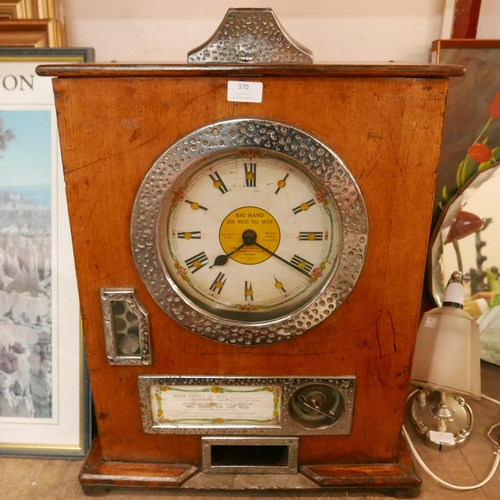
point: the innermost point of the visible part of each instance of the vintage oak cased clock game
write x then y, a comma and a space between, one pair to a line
250, 234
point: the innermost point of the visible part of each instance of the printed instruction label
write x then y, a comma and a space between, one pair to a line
244, 91
215, 405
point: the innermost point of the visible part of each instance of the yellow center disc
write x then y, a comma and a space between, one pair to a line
261, 222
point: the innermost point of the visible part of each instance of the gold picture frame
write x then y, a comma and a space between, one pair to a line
32, 23
18, 9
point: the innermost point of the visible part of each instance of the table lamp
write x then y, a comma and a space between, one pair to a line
446, 367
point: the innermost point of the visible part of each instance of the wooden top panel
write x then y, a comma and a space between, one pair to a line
283, 70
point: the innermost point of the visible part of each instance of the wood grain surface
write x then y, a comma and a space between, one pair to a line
113, 70
387, 129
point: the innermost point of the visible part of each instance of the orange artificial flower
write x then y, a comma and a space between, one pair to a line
494, 107
480, 152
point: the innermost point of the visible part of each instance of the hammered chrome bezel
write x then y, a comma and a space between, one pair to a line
242, 133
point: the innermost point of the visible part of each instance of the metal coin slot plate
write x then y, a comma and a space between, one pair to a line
126, 327
264, 406
250, 455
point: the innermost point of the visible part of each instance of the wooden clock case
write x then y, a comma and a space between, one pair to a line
385, 122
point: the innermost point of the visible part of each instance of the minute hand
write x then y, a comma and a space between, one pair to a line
282, 259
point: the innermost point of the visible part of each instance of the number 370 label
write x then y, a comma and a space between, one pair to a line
244, 91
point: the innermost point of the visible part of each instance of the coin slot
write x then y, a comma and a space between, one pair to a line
316, 406
250, 455
264, 456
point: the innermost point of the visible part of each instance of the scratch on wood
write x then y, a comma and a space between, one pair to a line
125, 151
383, 352
94, 206
378, 340
373, 165
105, 158
396, 157
393, 329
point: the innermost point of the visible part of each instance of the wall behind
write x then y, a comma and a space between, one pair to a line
336, 31
489, 20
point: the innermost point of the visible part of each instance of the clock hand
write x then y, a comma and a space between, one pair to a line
282, 259
220, 260
249, 238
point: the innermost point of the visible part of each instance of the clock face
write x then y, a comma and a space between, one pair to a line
249, 235
249, 232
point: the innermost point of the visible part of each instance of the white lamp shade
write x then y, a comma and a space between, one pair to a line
446, 355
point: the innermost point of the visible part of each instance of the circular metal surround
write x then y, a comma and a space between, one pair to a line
319, 159
327, 398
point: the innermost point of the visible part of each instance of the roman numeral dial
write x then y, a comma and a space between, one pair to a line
303, 207
312, 235
191, 235
218, 183
246, 253
279, 285
195, 205
197, 262
281, 184
218, 283
250, 174
301, 263
248, 291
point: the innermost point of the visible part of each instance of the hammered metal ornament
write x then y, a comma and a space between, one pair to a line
250, 36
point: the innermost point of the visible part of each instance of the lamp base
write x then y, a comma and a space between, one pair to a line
443, 421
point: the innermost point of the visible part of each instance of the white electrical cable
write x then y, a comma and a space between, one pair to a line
444, 483
490, 399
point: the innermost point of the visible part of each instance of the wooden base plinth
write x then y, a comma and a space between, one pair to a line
98, 472
398, 479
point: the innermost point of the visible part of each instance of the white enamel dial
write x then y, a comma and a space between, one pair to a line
249, 235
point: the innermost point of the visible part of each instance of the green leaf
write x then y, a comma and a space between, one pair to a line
485, 140
459, 173
495, 153
495, 301
465, 171
445, 194
493, 282
484, 165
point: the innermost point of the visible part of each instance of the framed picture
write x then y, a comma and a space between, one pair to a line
32, 23
471, 133
44, 389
